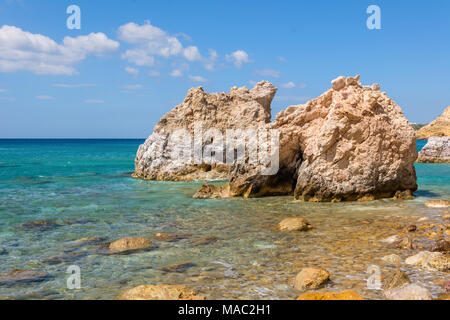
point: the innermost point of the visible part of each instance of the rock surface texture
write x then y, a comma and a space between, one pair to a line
437, 150
351, 143
159, 292
438, 128
241, 109
344, 295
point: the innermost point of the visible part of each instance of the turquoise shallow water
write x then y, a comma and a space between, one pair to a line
85, 187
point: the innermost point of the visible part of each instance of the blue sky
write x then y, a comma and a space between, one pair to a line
133, 61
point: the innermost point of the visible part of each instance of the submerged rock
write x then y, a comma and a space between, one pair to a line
441, 246
170, 237
435, 261
351, 143
179, 268
344, 295
294, 224
127, 245
3, 251
392, 259
22, 276
438, 203
446, 286
408, 292
64, 258
40, 225
439, 127
241, 108
90, 240
394, 279
159, 292
310, 278
437, 150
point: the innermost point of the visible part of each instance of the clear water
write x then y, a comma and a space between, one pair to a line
85, 186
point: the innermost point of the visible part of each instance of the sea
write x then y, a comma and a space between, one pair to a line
226, 249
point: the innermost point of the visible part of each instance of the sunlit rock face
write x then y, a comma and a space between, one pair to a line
440, 127
241, 109
437, 150
351, 143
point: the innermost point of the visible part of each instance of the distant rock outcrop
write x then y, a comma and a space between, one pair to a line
241, 108
437, 150
351, 143
440, 127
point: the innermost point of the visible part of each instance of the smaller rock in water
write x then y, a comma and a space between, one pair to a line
344, 295
179, 268
64, 258
170, 237
395, 279
22, 276
441, 246
128, 245
204, 240
294, 224
3, 251
402, 243
438, 204
446, 286
90, 240
408, 292
209, 191
310, 278
160, 292
411, 228
392, 259
435, 261
437, 150
41, 225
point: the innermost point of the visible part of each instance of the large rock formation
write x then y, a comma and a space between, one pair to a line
437, 150
351, 143
239, 109
438, 128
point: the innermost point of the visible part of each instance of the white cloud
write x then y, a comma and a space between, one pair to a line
22, 50
95, 101
3, 90
153, 73
198, 79
132, 71
210, 62
281, 59
238, 57
133, 87
268, 72
139, 57
192, 54
288, 85
44, 97
176, 73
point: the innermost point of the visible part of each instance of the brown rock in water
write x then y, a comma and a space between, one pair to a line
294, 224
441, 246
402, 243
209, 191
41, 225
438, 204
394, 279
204, 240
22, 276
446, 286
438, 128
241, 108
411, 228
129, 245
310, 278
171, 237
351, 143
437, 150
159, 292
408, 292
435, 261
344, 295
180, 267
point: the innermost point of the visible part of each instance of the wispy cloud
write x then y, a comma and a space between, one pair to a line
44, 97
133, 87
132, 71
3, 90
154, 73
176, 73
198, 79
291, 85
268, 72
238, 58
